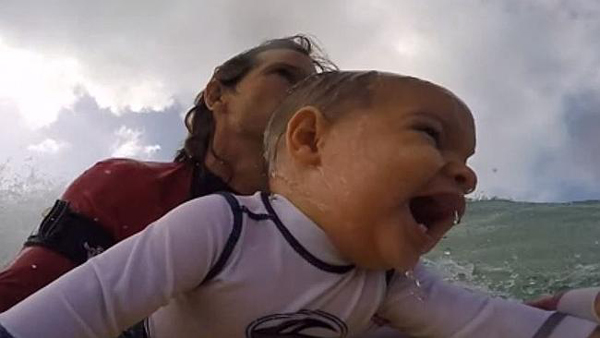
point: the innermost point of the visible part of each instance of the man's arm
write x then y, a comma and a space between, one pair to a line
116, 289
76, 228
32, 269
583, 303
444, 310
63, 240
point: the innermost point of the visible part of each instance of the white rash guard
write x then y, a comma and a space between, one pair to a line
274, 274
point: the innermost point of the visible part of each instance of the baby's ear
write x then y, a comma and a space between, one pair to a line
303, 135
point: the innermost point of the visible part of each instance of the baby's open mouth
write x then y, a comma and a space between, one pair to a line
435, 214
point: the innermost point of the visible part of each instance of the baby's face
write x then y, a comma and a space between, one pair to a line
395, 174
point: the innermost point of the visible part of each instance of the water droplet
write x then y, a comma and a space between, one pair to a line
447, 252
33, 266
415, 289
125, 227
96, 219
456, 220
107, 172
46, 212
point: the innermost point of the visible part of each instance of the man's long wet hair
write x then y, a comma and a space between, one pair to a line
200, 121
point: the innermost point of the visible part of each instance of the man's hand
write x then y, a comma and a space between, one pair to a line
549, 303
597, 305
577, 302
596, 333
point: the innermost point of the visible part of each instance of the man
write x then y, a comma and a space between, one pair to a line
117, 198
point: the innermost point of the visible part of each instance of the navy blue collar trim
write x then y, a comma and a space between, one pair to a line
339, 269
254, 216
4, 333
234, 236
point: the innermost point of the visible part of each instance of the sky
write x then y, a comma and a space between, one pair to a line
81, 81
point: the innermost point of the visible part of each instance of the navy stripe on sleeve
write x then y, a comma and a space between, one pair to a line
549, 325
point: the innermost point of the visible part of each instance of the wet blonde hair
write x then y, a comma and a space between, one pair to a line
332, 92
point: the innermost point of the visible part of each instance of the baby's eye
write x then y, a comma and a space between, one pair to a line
431, 132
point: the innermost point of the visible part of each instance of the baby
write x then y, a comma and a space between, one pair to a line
367, 173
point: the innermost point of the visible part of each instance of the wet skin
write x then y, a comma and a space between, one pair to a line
384, 182
241, 115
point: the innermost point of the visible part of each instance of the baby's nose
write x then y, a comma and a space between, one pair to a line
463, 175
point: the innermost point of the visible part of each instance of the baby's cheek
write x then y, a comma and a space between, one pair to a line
394, 248
422, 163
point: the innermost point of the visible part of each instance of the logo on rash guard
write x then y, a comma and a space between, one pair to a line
302, 324
92, 251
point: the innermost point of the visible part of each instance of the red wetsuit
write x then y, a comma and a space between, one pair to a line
117, 198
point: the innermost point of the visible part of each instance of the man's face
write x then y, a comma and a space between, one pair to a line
255, 97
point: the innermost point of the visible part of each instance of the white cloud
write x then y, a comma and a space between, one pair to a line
38, 85
151, 150
129, 144
48, 146
133, 94
514, 63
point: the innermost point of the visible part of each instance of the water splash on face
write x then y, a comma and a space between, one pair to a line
325, 180
299, 191
416, 289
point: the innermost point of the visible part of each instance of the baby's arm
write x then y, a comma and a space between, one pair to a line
450, 311
131, 280
584, 303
